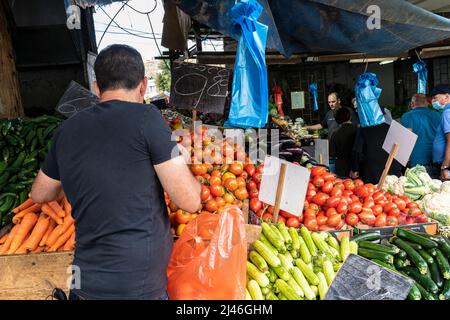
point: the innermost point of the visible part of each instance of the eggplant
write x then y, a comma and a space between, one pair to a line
297, 152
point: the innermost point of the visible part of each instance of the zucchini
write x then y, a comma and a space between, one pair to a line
306, 235
413, 245
335, 253
258, 261
273, 237
384, 264
328, 271
422, 279
415, 257
378, 247
345, 247
426, 256
337, 266
414, 293
424, 293
285, 234
282, 273
271, 296
257, 275
402, 254
445, 248
415, 238
304, 252
288, 256
445, 294
282, 297
303, 283
309, 274
285, 262
271, 259
367, 236
254, 290
286, 290
435, 274
295, 238
400, 264
372, 254
294, 254
333, 242
247, 295
322, 245
264, 290
443, 264
272, 275
294, 285
353, 247
264, 240
323, 286
315, 290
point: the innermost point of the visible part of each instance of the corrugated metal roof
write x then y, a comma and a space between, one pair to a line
437, 6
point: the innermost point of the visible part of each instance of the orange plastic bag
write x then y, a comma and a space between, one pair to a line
209, 259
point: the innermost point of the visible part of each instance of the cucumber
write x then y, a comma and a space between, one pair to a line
285, 262
415, 257
272, 275
323, 286
378, 247
295, 238
285, 234
435, 274
303, 283
332, 241
271, 296
422, 279
367, 236
445, 294
264, 240
328, 271
304, 252
254, 290
345, 247
281, 273
258, 261
306, 235
426, 256
414, 237
286, 290
308, 273
372, 254
443, 264
353, 247
268, 255
294, 285
273, 237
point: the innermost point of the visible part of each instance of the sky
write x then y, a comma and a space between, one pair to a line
136, 23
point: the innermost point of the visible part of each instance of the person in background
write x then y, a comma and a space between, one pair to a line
329, 121
423, 122
441, 144
342, 142
114, 161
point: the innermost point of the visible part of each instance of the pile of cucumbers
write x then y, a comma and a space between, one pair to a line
417, 255
24, 143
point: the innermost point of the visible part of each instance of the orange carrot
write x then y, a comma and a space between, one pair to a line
68, 221
57, 208
50, 228
25, 227
38, 249
28, 203
70, 244
8, 241
62, 239
53, 236
34, 208
38, 232
67, 206
3, 239
22, 249
52, 214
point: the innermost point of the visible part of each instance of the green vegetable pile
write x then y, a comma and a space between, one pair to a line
422, 257
23, 146
286, 265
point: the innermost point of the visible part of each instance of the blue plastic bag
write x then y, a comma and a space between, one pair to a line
420, 67
367, 94
313, 91
250, 96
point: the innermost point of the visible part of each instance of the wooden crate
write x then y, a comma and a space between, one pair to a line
33, 276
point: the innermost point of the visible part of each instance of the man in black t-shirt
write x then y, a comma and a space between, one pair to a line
114, 161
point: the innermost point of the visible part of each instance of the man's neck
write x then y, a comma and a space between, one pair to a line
122, 95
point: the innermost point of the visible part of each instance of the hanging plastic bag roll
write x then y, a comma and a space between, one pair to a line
313, 91
367, 94
208, 261
249, 101
420, 67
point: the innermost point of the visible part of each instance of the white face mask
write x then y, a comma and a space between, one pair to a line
437, 105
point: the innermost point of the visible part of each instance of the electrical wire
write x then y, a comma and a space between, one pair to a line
127, 34
112, 20
144, 12
120, 27
156, 42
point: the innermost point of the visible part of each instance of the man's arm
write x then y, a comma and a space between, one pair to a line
45, 189
314, 127
178, 181
445, 175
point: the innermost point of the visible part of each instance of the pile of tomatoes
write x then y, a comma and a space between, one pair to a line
332, 203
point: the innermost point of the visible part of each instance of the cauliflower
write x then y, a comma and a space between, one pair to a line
398, 188
437, 205
445, 187
435, 185
389, 183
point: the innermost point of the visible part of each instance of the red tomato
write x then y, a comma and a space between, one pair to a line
381, 220
316, 171
358, 182
310, 194
349, 184
310, 214
327, 187
328, 176
300, 219
293, 222
259, 213
401, 204
341, 224
334, 220
402, 219
355, 207
287, 214
414, 212
270, 209
369, 203
406, 199
367, 218
305, 204
422, 218
211, 205
250, 169
326, 228
347, 193
342, 207
321, 220
377, 209
377, 196
255, 205
333, 202
352, 219
267, 217
311, 224
361, 191
241, 182
340, 185
392, 221
354, 198
251, 185
319, 181
395, 212
281, 219
388, 207
314, 207
257, 177
410, 220
205, 193
370, 188
311, 187
331, 212
253, 193
336, 192
412, 205
320, 198
217, 191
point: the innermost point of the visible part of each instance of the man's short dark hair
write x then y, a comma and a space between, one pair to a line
342, 115
119, 66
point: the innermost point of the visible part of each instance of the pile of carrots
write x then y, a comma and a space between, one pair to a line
40, 227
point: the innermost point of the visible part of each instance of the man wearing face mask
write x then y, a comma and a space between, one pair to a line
441, 145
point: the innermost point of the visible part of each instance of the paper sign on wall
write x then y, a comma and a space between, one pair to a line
405, 139
298, 99
294, 187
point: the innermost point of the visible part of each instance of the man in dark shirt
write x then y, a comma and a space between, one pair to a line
342, 142
329, 121
114, 162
